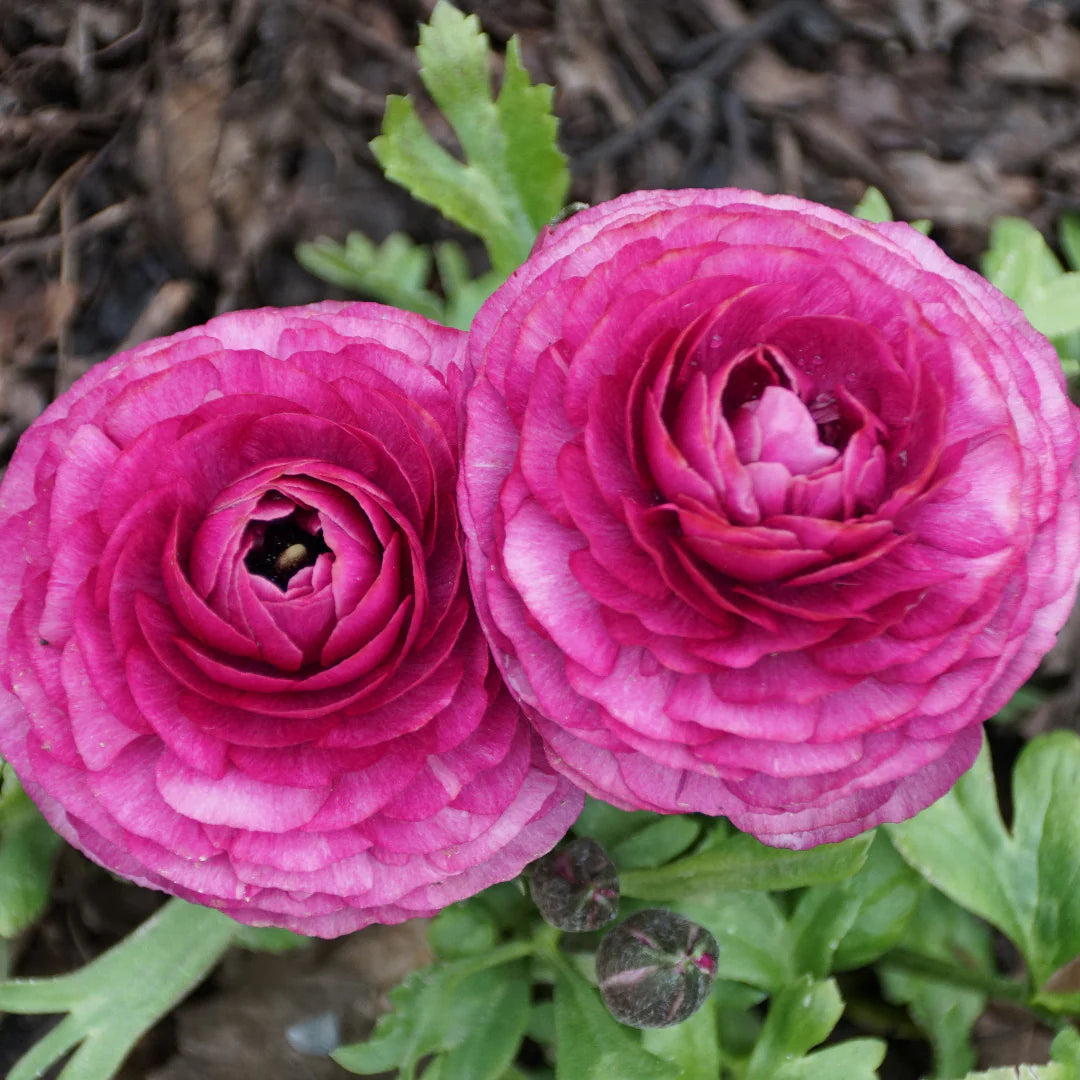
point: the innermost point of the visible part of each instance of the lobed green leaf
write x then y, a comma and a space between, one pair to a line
1027, 882
116, 998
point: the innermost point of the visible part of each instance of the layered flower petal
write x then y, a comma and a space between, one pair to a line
766, 508
241, 663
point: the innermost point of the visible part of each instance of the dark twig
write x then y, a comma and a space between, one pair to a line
732, 49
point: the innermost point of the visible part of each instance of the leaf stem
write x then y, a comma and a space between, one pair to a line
947, 971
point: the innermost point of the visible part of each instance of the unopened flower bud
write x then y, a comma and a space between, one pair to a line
656, 968
576, 887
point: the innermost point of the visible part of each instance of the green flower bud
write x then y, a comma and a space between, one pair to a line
656, 968
576, 887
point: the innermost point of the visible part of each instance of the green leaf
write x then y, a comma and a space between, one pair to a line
873, 206
590, 1044
464, 295
608, 825
659, 842
492, 1039
513, 179
1053, 307
1028, 883
464, 929
395, 272
439, 1009
1019, 260
1069, 232
27, 850
888, 891
119, 996
271, 939
856, 1059
753, 938
1066, 1048
538, 167
945, 1012
800, 1017
821, 918
693, 1045
741, 862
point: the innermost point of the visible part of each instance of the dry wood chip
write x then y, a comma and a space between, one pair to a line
1048, 59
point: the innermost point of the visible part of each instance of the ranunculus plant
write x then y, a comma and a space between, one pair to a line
765, 510
768, 508
241, 664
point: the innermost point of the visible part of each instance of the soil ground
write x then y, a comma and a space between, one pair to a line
159, 161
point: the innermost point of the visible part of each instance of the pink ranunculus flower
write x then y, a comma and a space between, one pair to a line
240, 662
767, 508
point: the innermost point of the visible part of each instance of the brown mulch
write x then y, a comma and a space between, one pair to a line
160, 160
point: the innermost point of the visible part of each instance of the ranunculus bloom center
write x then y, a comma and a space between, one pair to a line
284, 546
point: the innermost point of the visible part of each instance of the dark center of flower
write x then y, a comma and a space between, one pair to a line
285, 548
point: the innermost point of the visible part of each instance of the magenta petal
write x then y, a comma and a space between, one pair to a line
821, 497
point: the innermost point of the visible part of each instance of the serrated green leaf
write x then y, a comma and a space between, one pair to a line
856, 1059
740, 862
434, 1011
873, 206
513, 179
590, 1044
1028, 883
536, 164
395, 272
462, 192
945, 1013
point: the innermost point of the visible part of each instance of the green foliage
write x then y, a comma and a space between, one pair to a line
271, 939
657, 843
27, 851
1020, 263
739, 861
944, 1011
873, 206
801, 1017
120, 995
1024, 882
471, 1013
464, 929
590, 1044
513, 179
691, 1046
